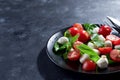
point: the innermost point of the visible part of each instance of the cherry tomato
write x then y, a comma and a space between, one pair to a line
105, 50
78, 25
115, 55
77, 43
114, 39
105, 30
73, 31
73, 55
89, 65
84, 36
117, 42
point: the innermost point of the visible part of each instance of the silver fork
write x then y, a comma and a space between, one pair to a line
115, 30
115, 23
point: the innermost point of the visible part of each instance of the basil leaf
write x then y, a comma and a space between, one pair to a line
89, 27
94, 37
65, 55
84, 49
67, 34
96, 41
73, 39
56, 47
109, 60
99, 43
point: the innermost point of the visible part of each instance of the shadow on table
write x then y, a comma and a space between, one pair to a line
49, 71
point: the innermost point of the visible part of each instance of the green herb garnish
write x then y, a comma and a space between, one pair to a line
84, 49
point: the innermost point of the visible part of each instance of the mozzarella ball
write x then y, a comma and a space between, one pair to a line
62, 40
117, 46
90, 44
97, 51
104, 56
108, 43
102, 62
71, 49
101, 38
83, 58
95, 30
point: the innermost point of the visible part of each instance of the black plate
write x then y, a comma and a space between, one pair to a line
74, 66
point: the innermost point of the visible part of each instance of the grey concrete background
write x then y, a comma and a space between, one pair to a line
26, 25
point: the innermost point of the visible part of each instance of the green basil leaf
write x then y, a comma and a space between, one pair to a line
109, 59
73, 39
65, 55
56, 47
99, 43
89, 27
96, 41
67, 34
87, 50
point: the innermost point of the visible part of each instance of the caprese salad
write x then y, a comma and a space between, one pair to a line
94, 46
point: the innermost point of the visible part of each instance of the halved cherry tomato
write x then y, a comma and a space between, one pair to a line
105, 50
105, 30
117, 42
78, 25
115, 55
77, 43
89, 65
114, 39
73, 31
73, 55
84, 36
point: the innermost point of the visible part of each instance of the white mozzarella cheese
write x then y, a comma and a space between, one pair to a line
95, 30
102, 62
63, 40
83, 58
71, 49
117, 46
101, 38
91, 45
108, 43
97, 51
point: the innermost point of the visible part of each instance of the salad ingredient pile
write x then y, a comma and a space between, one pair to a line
94, 46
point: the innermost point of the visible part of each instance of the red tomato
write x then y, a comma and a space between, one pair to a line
73, 55
84, 36
114, 39
77, 43
105, 50
117, 42
89, 65
105, 30
115, 55
78, 25
73, 31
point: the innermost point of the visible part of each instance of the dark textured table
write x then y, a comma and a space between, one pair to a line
26, 26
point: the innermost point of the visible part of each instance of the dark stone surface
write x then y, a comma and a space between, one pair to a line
26, 25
